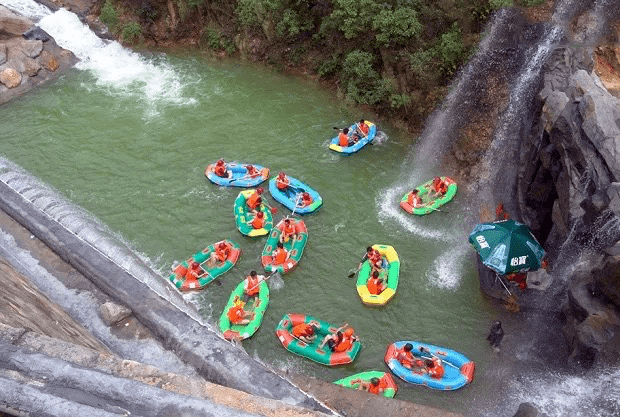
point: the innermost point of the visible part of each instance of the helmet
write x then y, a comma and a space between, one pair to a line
349, 332
220, 161
260, 214
195, 264
249, 166
222, 244
281, 174
260, 190
306, 194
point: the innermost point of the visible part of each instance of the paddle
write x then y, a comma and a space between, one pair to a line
353, 272
277, 281
424, 350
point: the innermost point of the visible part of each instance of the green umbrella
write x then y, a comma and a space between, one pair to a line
507, 246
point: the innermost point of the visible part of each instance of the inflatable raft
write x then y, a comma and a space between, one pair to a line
389, 274
312, 351
458, 369
257, 305
242, 216
210, 272
386, 381
295, 247
434, 203
291, 195
239, 175
348, 150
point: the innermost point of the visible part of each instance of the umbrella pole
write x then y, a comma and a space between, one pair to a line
500, 280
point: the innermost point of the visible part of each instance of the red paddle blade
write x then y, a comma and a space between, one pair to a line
274, 210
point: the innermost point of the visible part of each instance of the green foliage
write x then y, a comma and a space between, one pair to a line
399, 100
254, 12
362, 83
131, 31
498, 4
398, 25
212, 37
108, 15
292, 23
420, 61
529, 3
228, 45
353, 17
450, 49
328, 66
195, 3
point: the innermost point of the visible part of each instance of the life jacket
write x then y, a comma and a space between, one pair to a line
376, 389
405, 358
279, 256
258, 223
192, 274
364, 128
344, 345
235, 314
222, 254
306, 201
251, 286
253, 172
252, 200
343, 139
437, 370
303, 329
288, 231
440, 187
375, 286
414, 201
281, 184
220, 170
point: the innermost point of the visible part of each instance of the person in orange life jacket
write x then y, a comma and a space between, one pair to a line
255, 199
374, 386
306, 200
374, 259
405, 356
237, 315
306, 332
500, 213
361, 130
519, 278
343, 138
220, 254
194, 271
340, 341
434, 367
258, 221
220, 169
375, 284
282, 182
252, 172
335, 336
251, 285
288, 231
438, 186
280, 255
414, 199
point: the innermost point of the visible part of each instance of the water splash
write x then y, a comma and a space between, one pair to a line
446, 272
27, 8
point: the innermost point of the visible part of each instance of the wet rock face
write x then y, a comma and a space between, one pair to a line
28, 56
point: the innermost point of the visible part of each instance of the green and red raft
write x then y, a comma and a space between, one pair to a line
385, 381
294, 246
179, 279
432, 203
284, 332
257, 305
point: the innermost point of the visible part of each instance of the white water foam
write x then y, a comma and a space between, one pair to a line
447, 267
27, 8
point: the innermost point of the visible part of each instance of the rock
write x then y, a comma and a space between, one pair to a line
32, 49
527, 410
3, 53
10, 77
48, 61
112, 313
31, 67
12, 24
554, 105
37, 34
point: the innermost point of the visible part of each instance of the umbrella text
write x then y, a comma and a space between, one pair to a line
482, 242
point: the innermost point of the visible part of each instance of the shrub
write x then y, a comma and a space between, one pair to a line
529, 3
353, 17
108, 15
212, 37
328, 66
498, 4
396, 26
131, 31
450, 49
399, 100
362, 83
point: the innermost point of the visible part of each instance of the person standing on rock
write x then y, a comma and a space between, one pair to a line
496, 335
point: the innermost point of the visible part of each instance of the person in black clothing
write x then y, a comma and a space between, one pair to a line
496, 335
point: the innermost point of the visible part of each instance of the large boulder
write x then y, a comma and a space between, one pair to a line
10, 77
12, 24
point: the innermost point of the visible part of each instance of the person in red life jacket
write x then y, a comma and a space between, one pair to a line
361, 130
254, 200
346, 342
405, 356
334, 337
434, 367
343, 138
194, 271
282, 182
220, 169
374, 386
237, 315
500, 213
375, 284
258, 221
414, 199
252, 172
220, 254
280, 255
374, 259
519, 278
288, 231
439, 187
251, 285
306, 332
306, 200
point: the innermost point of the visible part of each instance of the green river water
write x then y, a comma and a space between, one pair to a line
133, 154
